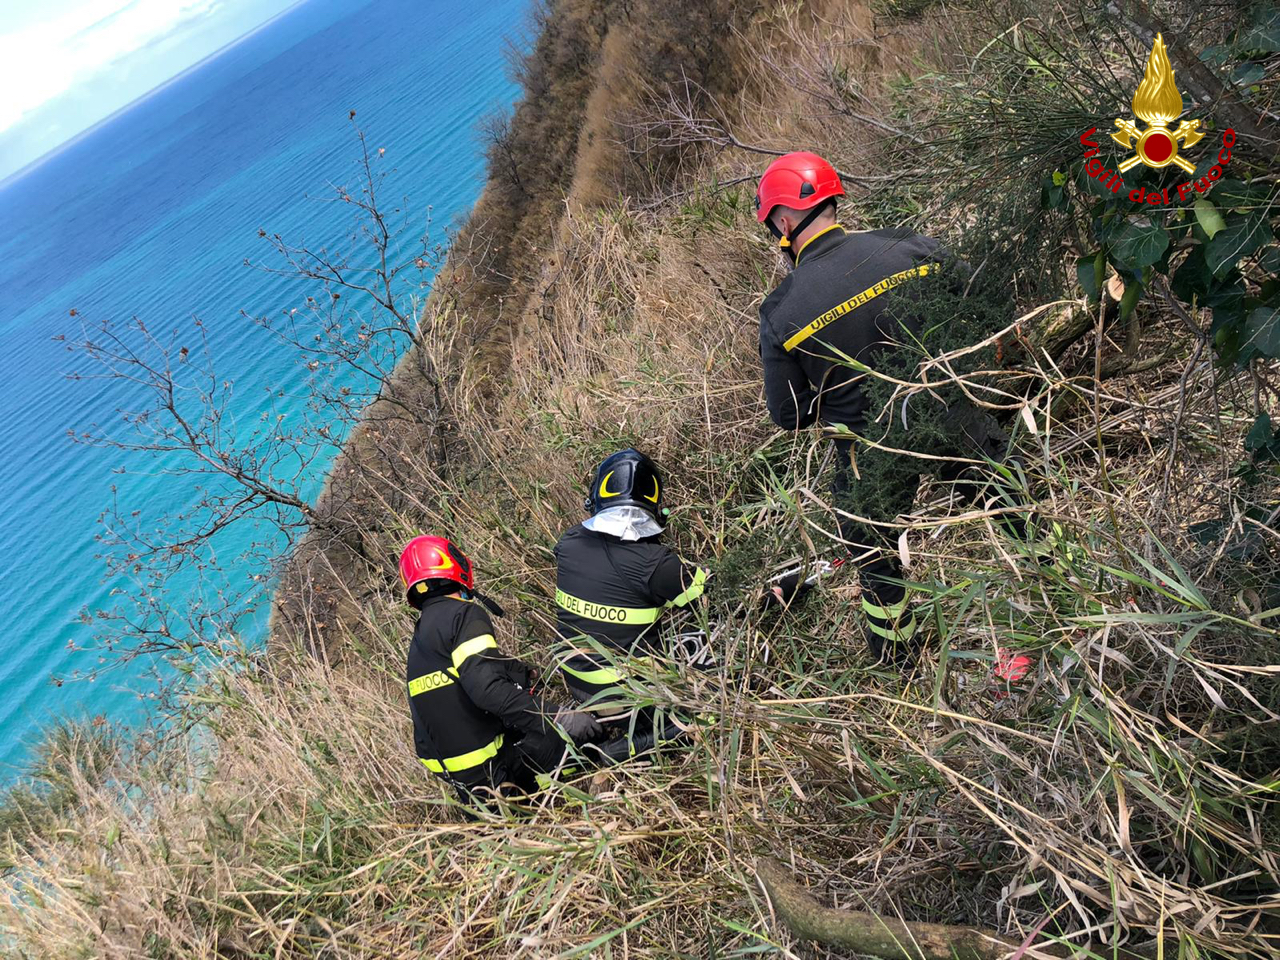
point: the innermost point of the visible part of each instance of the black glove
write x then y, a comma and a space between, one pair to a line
787, 590
579, 725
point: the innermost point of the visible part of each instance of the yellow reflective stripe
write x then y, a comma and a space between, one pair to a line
465, 761
891, 612
430, 681
604, 676
470, 647
694, 591
601, 675
804, 246
1057, 537
605, 613
903, 631
838, 311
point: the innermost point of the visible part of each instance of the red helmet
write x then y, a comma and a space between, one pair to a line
799, 180
428, 559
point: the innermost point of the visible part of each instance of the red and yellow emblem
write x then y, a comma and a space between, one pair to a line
1158, 102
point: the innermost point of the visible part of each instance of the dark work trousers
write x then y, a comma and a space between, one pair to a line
616, 713
969, 433
591, 679
597, 679
515, 769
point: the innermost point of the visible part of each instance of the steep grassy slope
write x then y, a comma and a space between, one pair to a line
604, 293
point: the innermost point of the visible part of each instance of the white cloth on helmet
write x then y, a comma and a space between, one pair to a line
624, 522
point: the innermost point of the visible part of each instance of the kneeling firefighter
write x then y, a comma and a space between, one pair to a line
615, 579
476, 723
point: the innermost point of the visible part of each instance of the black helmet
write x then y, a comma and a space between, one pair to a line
627, 479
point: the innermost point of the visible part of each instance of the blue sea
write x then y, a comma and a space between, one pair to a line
152, 215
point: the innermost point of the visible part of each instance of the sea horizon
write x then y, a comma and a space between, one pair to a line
32, 165
152, 213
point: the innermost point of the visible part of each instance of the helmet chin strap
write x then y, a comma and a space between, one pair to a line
787, 241
492, 604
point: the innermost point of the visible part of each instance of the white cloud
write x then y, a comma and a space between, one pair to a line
43, 60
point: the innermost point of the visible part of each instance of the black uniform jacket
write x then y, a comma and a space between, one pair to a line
833, 303
463, 693
615, 590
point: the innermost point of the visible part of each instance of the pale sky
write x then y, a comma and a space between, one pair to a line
66, 64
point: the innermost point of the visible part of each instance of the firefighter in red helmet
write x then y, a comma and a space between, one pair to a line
476, 722
830, 309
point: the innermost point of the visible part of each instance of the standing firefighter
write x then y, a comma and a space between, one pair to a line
832, 308
614, 579
475, 722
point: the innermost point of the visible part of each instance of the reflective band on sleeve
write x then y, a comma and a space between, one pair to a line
431, 681
470, 647
465, 761
694, 591
838, 311
605, 613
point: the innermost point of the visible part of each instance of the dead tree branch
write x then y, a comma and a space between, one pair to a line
862, 932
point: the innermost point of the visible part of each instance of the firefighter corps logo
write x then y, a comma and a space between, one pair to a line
1158, 102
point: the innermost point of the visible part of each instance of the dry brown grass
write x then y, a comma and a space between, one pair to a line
1127, 792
